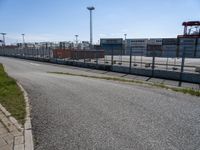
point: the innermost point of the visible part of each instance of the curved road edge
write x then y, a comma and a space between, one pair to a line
28, 136
21, 137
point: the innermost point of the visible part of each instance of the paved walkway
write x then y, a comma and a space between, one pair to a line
11, 138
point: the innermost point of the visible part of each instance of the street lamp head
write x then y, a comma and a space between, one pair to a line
23, 34
125, 36
3, 33
91, 8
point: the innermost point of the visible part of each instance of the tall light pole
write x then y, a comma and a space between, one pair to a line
125, 36
76, 39
91, 34
125, 42
4, 42
23, 38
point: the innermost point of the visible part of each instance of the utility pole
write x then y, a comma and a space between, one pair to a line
23, 39
125, 36
76, 39
91, 29
4, 42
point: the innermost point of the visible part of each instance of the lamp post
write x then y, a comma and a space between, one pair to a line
91, 34
4, 42
23, 44
125, 36
23, 38
76, 39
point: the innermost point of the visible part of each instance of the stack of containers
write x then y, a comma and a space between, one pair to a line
127, 46
198, 48
137, 46
113, 46
169, 47
154, 47
187, 46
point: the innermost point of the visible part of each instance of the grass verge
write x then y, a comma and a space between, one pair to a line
11, 96
176, 89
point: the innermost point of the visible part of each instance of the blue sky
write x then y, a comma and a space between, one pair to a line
60, 20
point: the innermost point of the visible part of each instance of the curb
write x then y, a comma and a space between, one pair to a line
26, 131
11, 119
28, 137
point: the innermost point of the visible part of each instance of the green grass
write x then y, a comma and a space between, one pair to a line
176, 89
187, 91
11, 97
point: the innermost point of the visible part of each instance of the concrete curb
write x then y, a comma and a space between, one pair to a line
28, 137
10, 122
11, 119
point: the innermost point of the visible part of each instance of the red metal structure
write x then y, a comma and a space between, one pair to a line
77, 54
191, 29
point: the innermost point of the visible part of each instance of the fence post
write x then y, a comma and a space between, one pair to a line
141, 59
153, 65
42, 53
32, 53
49, 49
167, 63
84, 55
24, 53
76, 55
46, 48
130, 62
3, 48
112, 58
96, 57
37, 51
182, 68
2, 51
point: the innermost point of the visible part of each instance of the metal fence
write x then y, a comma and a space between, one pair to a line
133, 64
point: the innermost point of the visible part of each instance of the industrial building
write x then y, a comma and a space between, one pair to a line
137, 47
112, 46
186, 45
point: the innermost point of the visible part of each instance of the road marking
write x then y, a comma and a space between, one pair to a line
34, 64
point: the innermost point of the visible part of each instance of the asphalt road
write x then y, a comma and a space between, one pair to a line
77, 113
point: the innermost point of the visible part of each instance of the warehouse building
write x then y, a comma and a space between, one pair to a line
136, 47
112, 46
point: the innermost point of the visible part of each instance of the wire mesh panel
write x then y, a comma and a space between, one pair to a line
152, 57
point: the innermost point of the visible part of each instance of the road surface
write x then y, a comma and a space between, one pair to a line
77, 113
